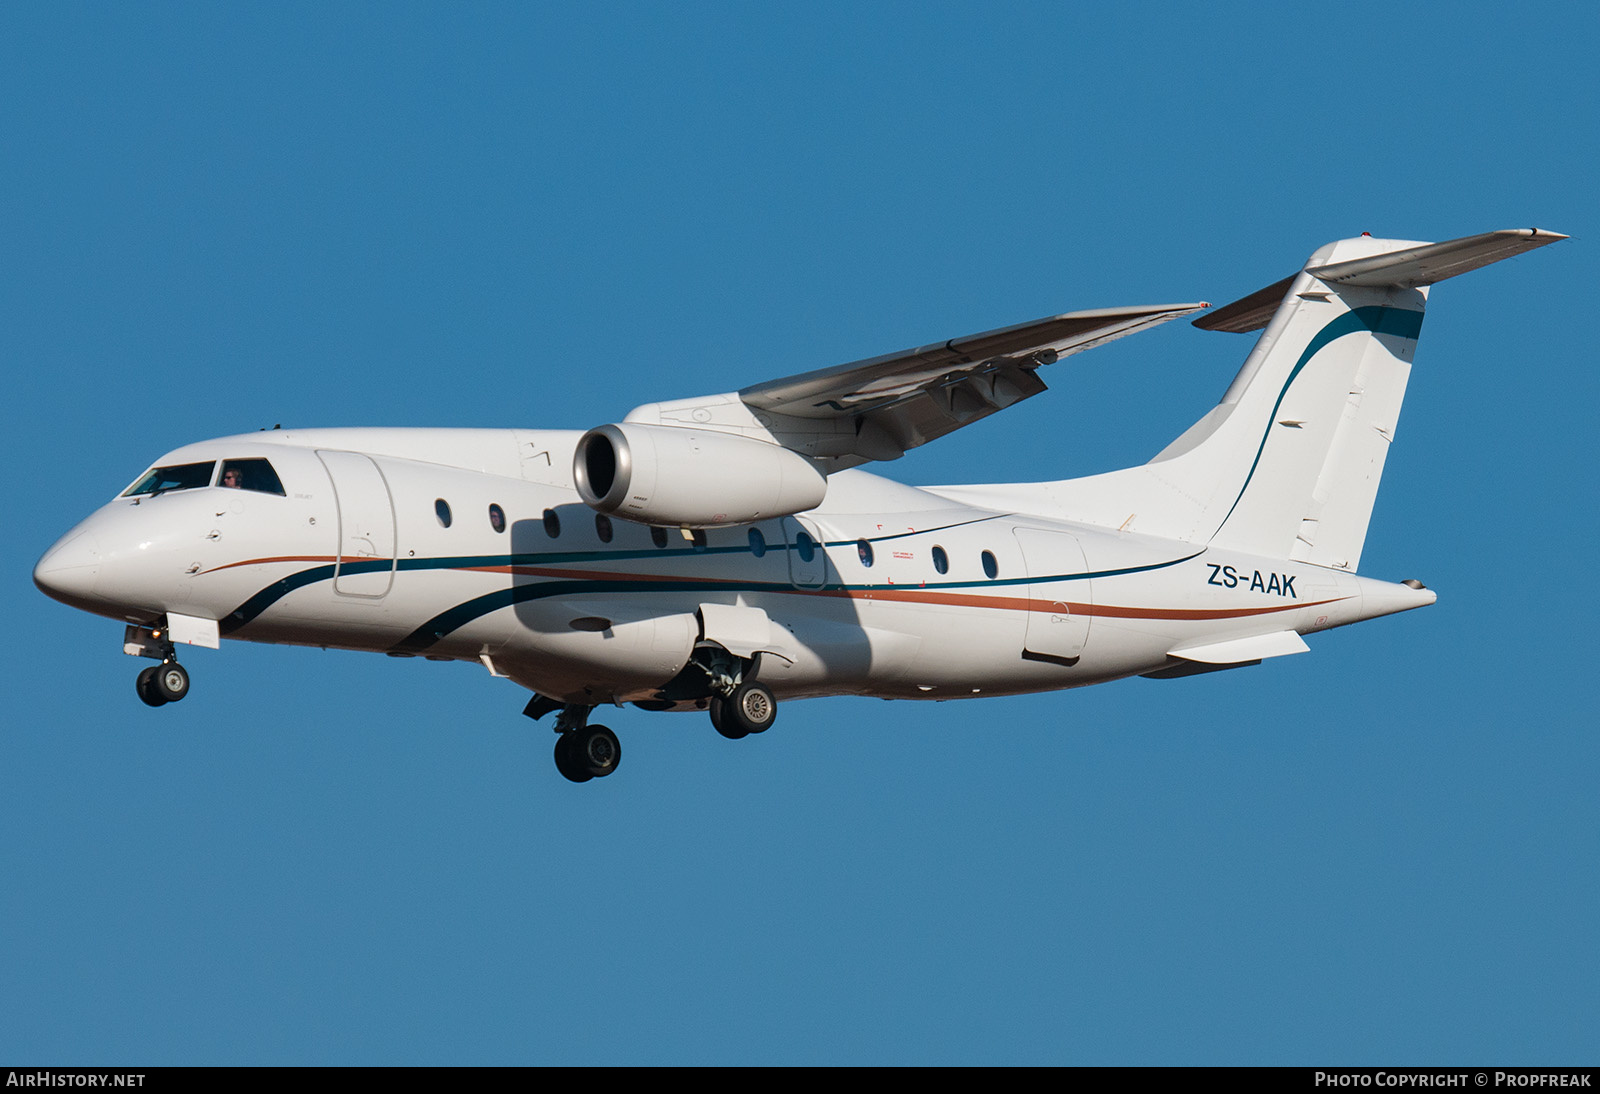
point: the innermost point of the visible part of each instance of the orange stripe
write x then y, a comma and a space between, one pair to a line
908, 596
278, 558
923, 596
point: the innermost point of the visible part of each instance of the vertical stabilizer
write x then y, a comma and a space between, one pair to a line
1314, 410
1287, 465
1319, 398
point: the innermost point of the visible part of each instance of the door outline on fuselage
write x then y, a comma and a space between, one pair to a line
366, 524
804, 574
1055, 633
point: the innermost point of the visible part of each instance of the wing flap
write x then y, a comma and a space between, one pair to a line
1249, 313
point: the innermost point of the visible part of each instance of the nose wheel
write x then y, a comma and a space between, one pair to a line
161, 684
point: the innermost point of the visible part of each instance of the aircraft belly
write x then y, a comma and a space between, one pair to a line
597, 649
892, 648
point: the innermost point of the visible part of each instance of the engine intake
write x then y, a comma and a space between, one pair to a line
692, 478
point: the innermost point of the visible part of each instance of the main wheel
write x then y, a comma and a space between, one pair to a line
750, 709
567, 763
722, 723
171, 681
596, 750
146, 687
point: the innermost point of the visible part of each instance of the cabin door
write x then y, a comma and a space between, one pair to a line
366, 560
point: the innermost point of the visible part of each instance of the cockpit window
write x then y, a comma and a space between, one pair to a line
255, 475
183, 476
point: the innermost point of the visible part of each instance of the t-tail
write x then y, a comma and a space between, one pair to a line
1287, 464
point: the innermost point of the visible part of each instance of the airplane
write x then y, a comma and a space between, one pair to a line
727, 552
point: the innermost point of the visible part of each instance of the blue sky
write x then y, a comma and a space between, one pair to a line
217, 218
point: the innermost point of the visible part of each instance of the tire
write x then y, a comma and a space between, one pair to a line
721, 721
171, 681
750, 709
145, 685
566, 763
595, 750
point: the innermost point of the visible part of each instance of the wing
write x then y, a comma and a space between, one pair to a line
902, 400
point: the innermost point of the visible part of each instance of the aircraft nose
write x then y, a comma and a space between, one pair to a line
68, 570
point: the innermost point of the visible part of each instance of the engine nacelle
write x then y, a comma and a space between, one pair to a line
693, 478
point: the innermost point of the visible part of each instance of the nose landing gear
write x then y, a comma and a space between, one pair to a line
161, 684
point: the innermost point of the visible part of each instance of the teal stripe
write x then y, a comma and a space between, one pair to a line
270, 595
459, 616
467, 611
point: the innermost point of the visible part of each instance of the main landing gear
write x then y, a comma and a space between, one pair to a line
583, 751
748, 708
592, 752
725, 686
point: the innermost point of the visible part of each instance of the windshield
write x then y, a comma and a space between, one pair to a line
250, 475
183, 476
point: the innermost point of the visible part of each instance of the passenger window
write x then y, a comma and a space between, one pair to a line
864, 552
806, 546
602, 527
941, 561
183, 476
552, 523
990, 566
758, 542
256, 475
658, 536
497, 518
441, 509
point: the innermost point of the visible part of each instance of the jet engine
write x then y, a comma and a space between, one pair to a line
692, 478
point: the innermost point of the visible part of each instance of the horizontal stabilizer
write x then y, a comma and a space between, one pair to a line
1422, 264
1251, 313
1254, 648
1434, 261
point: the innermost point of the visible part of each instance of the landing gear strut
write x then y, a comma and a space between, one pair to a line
160, 684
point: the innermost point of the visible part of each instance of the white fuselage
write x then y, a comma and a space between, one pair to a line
959, 600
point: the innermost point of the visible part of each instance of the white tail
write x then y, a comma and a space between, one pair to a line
1288, 464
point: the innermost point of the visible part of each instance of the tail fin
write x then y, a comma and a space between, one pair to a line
1287, 465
